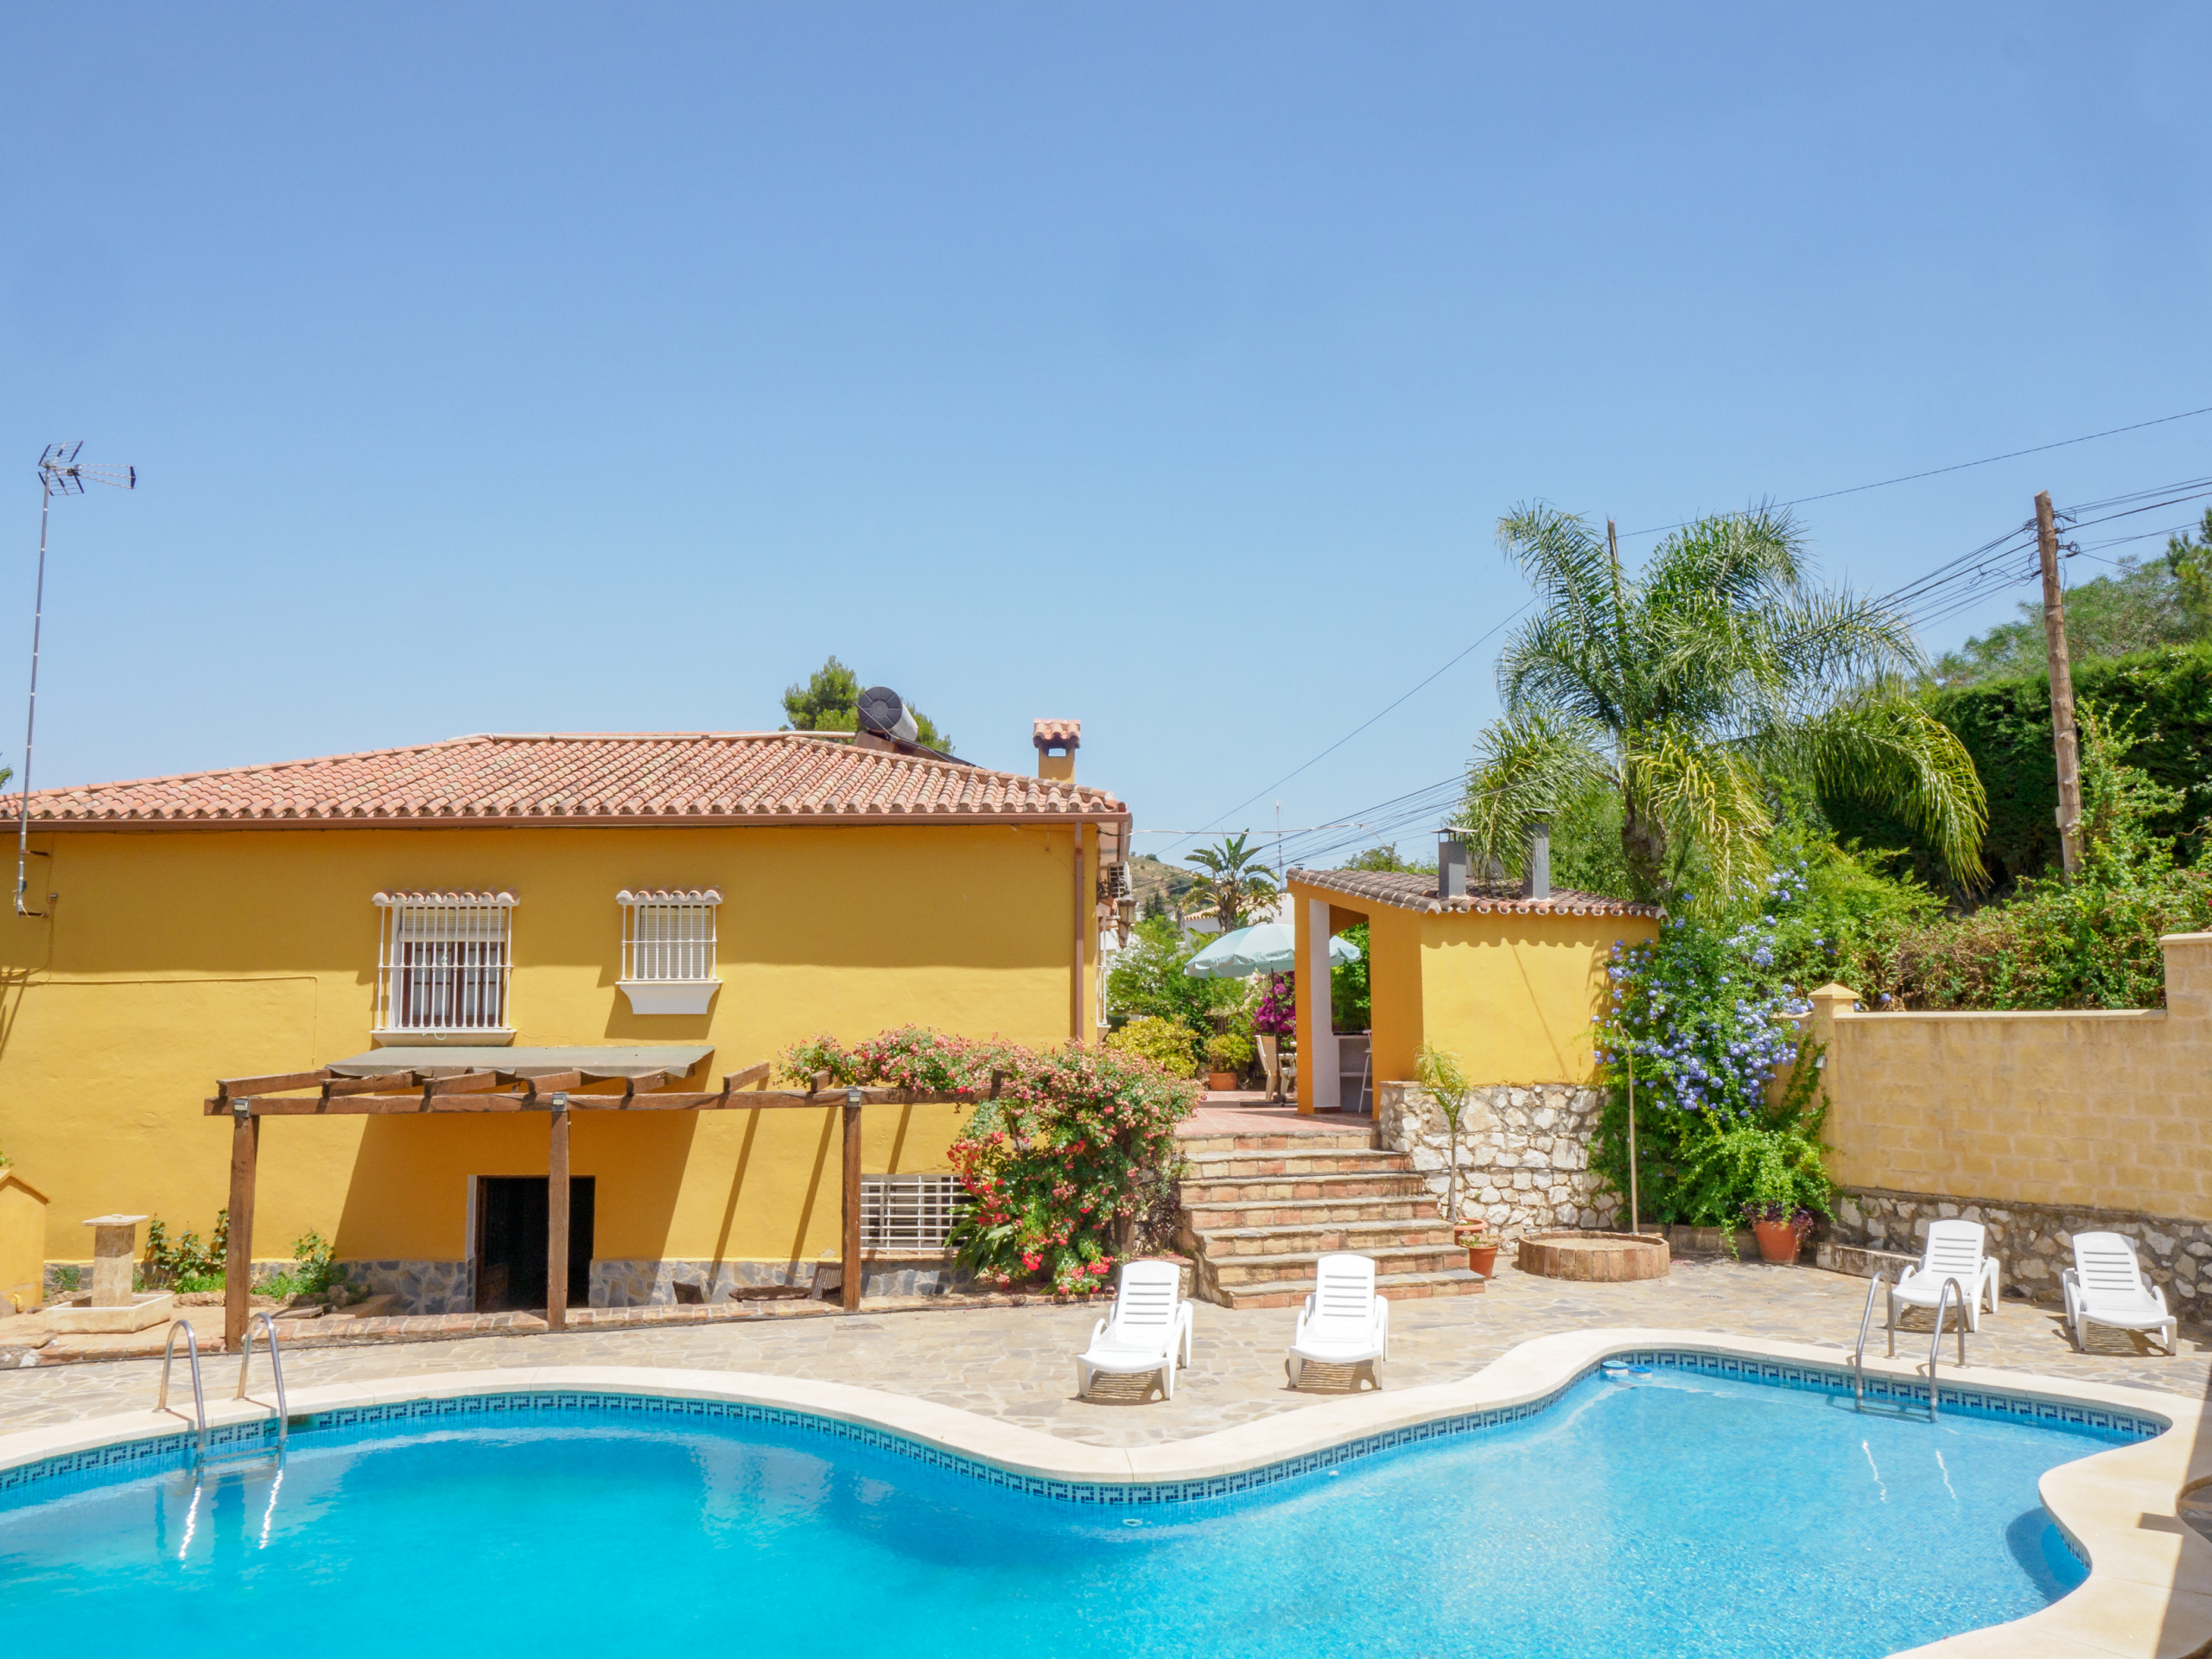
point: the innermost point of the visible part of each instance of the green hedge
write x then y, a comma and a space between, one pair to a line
2005, 726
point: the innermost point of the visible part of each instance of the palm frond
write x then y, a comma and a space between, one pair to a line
1886, 747
1708, 796
1527, 766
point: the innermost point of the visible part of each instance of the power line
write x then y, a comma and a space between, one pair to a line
1961, 467
1260, 794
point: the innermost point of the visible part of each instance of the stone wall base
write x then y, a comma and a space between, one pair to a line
646, 1282
1524, 1153
2034, 1241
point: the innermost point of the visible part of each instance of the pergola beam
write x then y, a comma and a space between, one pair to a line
246, 1101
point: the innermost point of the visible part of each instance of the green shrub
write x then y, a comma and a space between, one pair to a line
1230, 1051
182, 1263
1169, 1044
314, 1272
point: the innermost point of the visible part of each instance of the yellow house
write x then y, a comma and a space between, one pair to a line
1505, 977
687, 903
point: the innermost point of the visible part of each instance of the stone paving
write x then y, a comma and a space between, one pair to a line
1017, 1364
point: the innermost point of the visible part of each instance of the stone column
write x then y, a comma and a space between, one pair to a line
115, 1246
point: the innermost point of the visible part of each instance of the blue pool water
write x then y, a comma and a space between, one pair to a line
1660, 1514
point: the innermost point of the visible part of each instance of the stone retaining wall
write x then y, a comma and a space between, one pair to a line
2034, 1242
649, 1282
1524, 1153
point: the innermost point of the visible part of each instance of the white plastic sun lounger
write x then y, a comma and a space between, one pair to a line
1344, 1322
1150, 1323
1954, 1252
2106, 1286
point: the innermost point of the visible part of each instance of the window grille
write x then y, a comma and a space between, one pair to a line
668, 935
910, 1214
443, 962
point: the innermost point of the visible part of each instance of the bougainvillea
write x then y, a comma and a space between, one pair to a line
1059, 1162
1277, 1014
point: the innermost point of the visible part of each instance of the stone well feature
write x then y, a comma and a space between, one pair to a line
113, 1305
1593, 1258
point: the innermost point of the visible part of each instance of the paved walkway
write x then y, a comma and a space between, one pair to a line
1017, 1363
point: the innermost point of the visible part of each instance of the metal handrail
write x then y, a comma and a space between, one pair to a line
199, 1398
1935, 1340
1858, 1354
276, 1368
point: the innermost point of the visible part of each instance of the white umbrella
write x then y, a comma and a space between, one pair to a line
1268, 947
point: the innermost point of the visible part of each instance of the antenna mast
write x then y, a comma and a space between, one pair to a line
60, 473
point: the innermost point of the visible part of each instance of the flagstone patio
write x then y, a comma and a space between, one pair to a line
1017, 1364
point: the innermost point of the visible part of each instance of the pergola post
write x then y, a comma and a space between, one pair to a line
557, 1220
238, 1257
850, 1293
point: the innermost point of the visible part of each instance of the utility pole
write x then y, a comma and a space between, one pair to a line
2062, 738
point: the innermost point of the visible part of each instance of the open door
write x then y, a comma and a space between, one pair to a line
511, 1238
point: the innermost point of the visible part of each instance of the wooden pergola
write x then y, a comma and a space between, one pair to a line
246, 1101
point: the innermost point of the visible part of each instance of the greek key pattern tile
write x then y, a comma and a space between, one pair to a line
53, 1476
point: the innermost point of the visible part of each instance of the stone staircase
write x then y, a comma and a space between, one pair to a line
1258, 1210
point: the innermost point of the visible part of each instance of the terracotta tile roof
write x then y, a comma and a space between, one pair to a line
614, 776
1068, 732
1415, 891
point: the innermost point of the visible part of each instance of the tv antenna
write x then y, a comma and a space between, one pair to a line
60, 473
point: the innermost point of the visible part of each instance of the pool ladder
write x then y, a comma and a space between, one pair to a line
245, 1365
1943, 1299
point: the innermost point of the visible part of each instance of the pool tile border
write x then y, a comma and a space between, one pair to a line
79, 1469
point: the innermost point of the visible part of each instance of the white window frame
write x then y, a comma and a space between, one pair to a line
445, 968
668, 948
910, 1214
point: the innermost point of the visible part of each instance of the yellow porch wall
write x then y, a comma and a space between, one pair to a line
174, 958
1393, 977
1512, 994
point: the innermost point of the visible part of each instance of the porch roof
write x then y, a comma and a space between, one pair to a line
1413, 890
639, 1060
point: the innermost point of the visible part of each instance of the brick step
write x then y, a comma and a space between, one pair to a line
1394, 1287
1209, 1191
1207, 1214
1317, 1140
1338, 1161
1313, 1238
1225, 1272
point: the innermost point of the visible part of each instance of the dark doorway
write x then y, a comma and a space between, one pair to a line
510, 1222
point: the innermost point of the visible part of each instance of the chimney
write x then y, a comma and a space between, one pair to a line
1451, 867
1537, 884
1056, 741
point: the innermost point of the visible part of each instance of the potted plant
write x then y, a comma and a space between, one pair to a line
1780, 1229
1228, 1054
1482, 1246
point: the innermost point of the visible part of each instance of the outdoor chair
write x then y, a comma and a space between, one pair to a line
1150, 1323
2106, 1287
1344, 1322
1954, 1254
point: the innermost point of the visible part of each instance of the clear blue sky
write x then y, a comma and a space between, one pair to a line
545, 368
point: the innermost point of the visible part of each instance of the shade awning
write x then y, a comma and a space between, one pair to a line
1267, 948
636, 1060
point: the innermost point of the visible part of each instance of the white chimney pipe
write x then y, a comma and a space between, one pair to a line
1538, 882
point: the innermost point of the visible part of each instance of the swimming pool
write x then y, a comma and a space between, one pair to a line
1659, 1510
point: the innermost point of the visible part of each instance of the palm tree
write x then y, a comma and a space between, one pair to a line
1235, 881
1677, 697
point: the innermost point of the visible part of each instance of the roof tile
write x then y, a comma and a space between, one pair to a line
614, 776
1413, 890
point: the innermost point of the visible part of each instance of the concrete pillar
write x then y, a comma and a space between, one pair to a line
1320, 1065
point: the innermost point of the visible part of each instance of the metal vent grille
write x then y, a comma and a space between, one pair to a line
910, 1214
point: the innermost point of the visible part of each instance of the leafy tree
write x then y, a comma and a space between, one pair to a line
1684, 691
1148, 978
1233, 880
1385, 860
829, 700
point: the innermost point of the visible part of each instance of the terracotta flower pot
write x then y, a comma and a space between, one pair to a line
1483, 1259
1221, 1081
1778, 1240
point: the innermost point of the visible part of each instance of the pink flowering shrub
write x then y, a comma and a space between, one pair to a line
1277, 1014
1060, 1166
